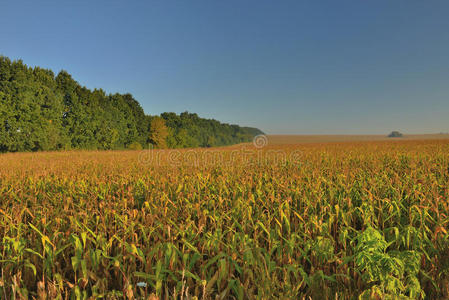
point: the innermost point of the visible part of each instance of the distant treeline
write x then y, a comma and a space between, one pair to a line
41, 111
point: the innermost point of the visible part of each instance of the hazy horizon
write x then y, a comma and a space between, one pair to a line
286, 68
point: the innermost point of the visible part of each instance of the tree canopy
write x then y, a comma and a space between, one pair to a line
41, 111
395, 134
158, 132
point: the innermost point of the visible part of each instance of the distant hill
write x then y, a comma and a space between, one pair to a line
41, 111
339, 138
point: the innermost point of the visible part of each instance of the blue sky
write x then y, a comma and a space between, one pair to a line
304, 67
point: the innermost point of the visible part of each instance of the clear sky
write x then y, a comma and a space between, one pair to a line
305, 67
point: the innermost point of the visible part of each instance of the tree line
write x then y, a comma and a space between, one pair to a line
40, 112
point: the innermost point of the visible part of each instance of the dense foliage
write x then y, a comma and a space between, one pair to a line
395, 134
41, 111
189, 130
333, 221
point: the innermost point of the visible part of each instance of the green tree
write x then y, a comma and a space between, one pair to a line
395, 134
41, 111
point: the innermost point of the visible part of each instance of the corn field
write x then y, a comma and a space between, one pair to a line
350, 220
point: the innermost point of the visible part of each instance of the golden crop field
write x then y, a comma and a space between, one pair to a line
333, 220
